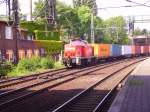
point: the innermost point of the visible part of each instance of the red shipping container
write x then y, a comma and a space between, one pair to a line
145, 49
133, 49
137, 49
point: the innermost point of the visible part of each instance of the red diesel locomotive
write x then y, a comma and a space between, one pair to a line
77, 52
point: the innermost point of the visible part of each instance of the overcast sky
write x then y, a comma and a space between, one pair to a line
103, 13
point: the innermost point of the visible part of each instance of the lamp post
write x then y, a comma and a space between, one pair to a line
30, 10
16, 26
92, 27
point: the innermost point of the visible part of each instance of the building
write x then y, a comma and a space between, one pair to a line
12, 48
141, 40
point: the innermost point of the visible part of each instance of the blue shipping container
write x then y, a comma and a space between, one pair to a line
116, 50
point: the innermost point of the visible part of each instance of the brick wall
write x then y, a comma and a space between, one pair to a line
9, 45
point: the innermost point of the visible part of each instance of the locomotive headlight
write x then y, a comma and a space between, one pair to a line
78, 61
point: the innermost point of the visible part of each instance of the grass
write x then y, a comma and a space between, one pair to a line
33, 66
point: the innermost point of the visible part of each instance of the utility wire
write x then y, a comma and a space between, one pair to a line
144, 4
125, 6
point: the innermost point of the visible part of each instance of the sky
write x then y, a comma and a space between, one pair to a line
104, 13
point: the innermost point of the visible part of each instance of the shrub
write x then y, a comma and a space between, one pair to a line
58, 65
47, 35
47, 63
5, 67
35, 61
51, 47
27, 66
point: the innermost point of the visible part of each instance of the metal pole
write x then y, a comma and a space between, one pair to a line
16, 25
117, 35
92, 28
9, 9
30, 10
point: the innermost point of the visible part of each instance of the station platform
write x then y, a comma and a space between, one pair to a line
135, 94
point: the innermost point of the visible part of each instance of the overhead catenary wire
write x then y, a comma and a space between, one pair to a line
142, 4
125, 6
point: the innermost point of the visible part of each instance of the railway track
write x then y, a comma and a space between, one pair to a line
54, 74
94, 98
14, 96
18, 80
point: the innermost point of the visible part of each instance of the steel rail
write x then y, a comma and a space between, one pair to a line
7, 103
110, 93
55, 78
67, 104
52, 74
34, 75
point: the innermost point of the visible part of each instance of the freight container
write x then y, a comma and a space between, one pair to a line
133, 50
126, 50
115, 50
95, 47
104, 50
142, 49
145, 49
137, 50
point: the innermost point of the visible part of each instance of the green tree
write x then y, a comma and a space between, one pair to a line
144, 32
99, 33
115, 30
140, 32
68, 18
85, 18
39, 10
137, 32
90, 3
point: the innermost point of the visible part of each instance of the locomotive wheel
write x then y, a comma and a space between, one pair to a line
68, 65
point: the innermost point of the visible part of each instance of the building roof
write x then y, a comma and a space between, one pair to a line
139, 37
11, 23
